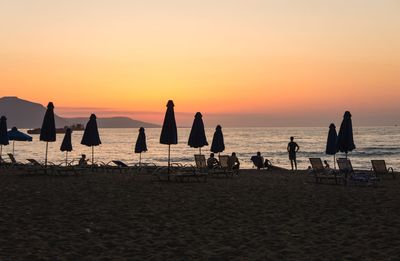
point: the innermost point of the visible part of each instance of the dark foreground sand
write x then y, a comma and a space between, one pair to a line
257, 216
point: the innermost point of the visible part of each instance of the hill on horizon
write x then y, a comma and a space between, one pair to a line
26, 114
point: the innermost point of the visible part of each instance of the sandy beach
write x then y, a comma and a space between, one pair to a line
260, 215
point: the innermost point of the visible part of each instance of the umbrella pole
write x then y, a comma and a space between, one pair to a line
334, 161
169, 155
45, 159
13, 146
92, 155
200, 151
140, 158
66, 158
1, 150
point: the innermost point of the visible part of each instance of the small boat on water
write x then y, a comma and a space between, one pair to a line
74, 127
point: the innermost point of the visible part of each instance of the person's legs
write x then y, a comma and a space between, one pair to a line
295, 164
291, 163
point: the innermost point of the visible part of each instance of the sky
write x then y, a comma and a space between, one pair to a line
240, 63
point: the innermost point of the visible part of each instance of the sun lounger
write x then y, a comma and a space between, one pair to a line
117, 165
37, 167
225, 168
179, 173
4, 164
355, 177
380, 169
321, 173
201, 165
15, 163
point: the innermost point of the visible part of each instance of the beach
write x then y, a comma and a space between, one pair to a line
259, 215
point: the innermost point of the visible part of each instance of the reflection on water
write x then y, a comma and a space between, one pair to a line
371, 142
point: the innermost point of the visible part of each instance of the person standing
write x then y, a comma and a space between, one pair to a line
292, 149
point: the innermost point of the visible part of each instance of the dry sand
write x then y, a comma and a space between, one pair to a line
257, 216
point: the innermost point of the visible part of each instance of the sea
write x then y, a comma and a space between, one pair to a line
118, 144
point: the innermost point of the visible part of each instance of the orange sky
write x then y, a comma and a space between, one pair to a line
279, 58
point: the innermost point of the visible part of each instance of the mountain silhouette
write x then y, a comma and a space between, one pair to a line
25, 114
113, 122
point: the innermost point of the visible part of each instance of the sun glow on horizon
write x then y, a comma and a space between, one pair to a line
280, 58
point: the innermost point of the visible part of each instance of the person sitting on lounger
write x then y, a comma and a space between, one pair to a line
83, 160
258, 160
233, 161
212, 162
326, 165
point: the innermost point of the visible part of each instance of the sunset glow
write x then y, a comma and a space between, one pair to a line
282, 59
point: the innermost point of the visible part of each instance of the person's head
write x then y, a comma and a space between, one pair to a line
233, 154
258, 153
212, 155
325, 162
291, 138
83, 156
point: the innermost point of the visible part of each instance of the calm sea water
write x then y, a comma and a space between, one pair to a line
371, 143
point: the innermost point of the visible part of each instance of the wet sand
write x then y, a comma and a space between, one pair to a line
257, 216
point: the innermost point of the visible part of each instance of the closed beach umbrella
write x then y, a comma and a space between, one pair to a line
331, 142
197, 137
91, 135
15, 135
345, 142
169, 132
217, 144
66, 144
3, 134
48, 130
140, 145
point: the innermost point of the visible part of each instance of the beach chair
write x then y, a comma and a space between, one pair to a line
200, 161
202, 167
179, 173
118, 165
355, 177
320, 173
4, 164
15, 163
225, 168
37, 167
380, 169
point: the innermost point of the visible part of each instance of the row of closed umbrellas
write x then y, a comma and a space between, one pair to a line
342, 142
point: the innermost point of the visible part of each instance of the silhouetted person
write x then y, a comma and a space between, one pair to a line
83, 160
292, 148
233, 161
258, 160
326, 165
212, 162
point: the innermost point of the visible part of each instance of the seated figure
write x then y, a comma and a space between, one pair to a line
212, 162
233, 162
83, 160
258, 160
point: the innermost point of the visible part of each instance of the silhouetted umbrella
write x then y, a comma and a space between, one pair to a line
169, 132
66, 144
217, 144
345, 142
48, 130
331, 143
15, 135
141, 144
3, 134
91, 135
197, 137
